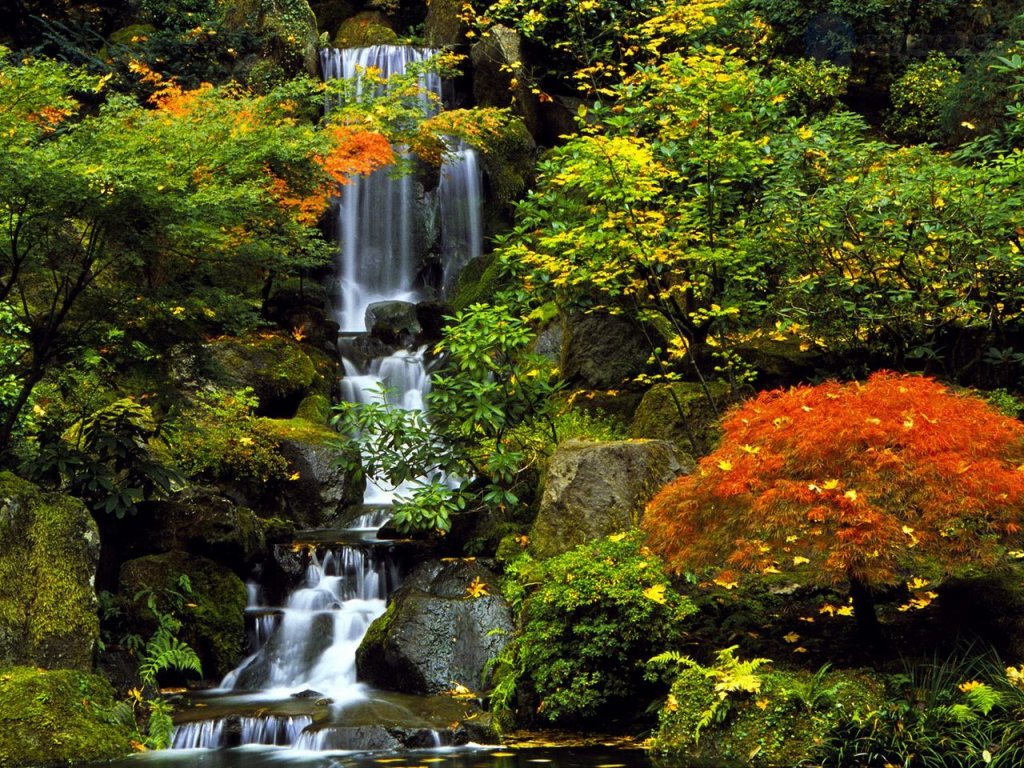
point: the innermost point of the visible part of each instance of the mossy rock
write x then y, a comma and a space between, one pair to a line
215, 626
477, 283
365, 29
778, 725
287, 27
658, 416
57, 717
314, 409
509, 163
279, 370
444, 27
49, 550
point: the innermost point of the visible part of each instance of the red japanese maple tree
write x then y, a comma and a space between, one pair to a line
868, 483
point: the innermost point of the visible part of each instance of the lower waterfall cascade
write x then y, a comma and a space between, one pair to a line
298, 689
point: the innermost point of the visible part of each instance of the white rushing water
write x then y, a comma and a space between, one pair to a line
306, 648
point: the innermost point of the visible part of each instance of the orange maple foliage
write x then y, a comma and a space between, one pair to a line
351, 152
861, 482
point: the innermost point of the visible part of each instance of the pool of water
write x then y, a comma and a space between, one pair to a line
445, 757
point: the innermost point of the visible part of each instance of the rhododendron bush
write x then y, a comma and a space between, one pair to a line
870, 483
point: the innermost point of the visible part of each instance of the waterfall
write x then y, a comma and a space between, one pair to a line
298, 688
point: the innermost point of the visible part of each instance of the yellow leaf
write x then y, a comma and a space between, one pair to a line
846, 610
799, 649
617, 537
798, 560
726, 584
294, 475
751, 449
761, 703
917, 582
851, 495
655, 592
477, 588
830, 485
725, 465
792, 637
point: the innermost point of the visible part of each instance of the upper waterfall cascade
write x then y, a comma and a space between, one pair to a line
299, 689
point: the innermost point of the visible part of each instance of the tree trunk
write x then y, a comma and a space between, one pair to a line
864, 612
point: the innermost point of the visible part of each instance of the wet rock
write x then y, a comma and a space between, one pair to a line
602, 351
594, 489
59, 717
280, 651
436, 634
444, 26
212, 622
202, 522
393, 322
49, 551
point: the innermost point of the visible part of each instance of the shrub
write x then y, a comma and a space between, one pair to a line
921, 97
591, 618
866, 483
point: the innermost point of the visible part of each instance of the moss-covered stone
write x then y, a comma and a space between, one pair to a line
363, 29
778, 725
287, 27
314, 409
444, 26
682, 414
59, 717
278, 369
215, 626
593, 489
478, 282
49, 549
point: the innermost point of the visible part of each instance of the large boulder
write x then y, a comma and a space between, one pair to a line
318, 488
364, 29
595, 489
685, 413
286, 27
497, 77
393, 322
603, 351
444, 26
58, 717
202, 522
278, 369
212, 616
441, 628
49, 550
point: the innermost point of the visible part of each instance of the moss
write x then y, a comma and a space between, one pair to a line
363, 29
214, 623
509, 162
49, 548
300, 430
288, 28
377, 633
657, 416
60, 717
793, 711
478, 282
276, 367
315, 408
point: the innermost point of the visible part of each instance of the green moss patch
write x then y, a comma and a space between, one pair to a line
60, 717
49, 548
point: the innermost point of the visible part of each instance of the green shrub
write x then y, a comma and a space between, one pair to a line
220, 437
591, 618
921, 98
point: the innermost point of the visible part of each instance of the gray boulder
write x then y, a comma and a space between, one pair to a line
49, 549
393, 322
436, 634
496, 58
594, 489
601, 351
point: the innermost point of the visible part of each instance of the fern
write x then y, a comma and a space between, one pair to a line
161, 726
165, 651
734, 676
